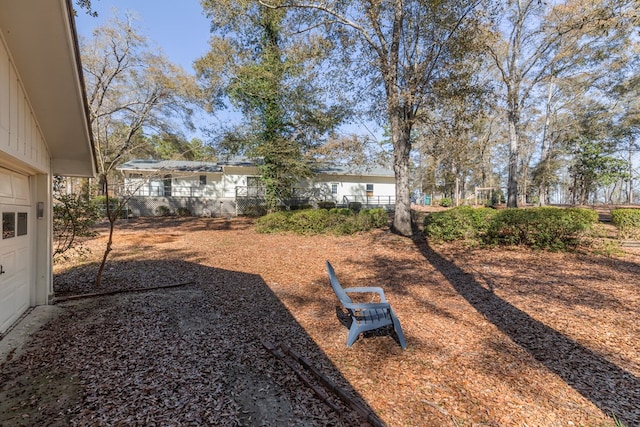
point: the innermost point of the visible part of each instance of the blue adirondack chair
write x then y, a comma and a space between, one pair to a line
365, 316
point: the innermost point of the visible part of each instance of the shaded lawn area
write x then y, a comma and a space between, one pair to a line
495, 337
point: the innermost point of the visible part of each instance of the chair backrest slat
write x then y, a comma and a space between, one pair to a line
340, 293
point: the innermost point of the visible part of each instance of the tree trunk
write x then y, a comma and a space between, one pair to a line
111, 216
401, 137
512, 184
630, 188
106, 253
543, 185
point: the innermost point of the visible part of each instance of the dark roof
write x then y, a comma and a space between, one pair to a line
193, 166
171, 165
353, 170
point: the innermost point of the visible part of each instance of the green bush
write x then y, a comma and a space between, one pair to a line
273, 223
319, 221
373, 218
163, 210
183, 211
301, 207
326, 205
548, 228
348, 225
254, 210
539, 228
460, 223
309, 221
73, 218
341, 211
445, 202
355, 206
627, 221
100, 203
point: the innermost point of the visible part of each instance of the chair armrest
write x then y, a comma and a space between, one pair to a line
371, 289
367, 305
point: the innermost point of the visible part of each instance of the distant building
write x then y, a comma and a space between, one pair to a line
234, 187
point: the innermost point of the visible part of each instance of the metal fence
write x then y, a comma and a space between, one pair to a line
369, 202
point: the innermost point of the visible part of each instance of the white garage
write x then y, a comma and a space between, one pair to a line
15, 247
44, 131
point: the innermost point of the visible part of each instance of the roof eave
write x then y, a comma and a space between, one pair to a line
43, 44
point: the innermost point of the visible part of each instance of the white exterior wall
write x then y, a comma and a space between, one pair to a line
181, 186
223, 185
189, 186
236, 176
22, 146
25, 182
354, 186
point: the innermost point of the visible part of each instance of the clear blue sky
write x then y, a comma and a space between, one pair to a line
181, 30
177, 26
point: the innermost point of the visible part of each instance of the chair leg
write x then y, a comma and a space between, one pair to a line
398, 329
354, 333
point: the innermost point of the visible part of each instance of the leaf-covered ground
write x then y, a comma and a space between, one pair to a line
500, 337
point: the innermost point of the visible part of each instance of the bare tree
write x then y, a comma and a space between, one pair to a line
536, 42
131, 88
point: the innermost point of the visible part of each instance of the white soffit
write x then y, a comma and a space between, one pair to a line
43, 44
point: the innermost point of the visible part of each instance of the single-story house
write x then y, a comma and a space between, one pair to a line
233, 187
44, 131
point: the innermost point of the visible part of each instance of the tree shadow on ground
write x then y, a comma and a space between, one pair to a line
191, 354
186, 223
609, 387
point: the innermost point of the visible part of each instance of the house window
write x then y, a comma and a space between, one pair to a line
254, 187
8, 225
334, 189
22, 223
135, 175
203, 180
167, 186
156, 188
369, 190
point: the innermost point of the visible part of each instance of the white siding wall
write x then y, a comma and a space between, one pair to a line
25, 181
354, 186
20, 135
183, 186
189, 186
236, 176
224, 185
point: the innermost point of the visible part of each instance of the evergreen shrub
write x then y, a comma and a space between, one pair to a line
355, 206
459, 223
100, 204
627, 221
273, 223
342, 211
163, 210
320, 221
446, 202
326, 205
181, 211
373, 218
309, 221
547, 228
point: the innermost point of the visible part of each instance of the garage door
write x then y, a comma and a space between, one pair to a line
14, 247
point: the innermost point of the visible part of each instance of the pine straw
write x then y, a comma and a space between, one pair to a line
499, 337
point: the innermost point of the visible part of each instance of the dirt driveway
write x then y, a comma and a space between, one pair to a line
495, 338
